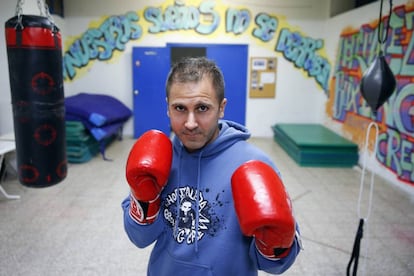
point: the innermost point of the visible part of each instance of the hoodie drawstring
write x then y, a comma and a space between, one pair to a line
177, 203
197, 201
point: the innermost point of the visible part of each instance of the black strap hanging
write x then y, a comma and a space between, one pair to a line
356, 249
377, 85
382, 38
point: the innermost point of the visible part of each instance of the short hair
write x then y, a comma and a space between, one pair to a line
193, 69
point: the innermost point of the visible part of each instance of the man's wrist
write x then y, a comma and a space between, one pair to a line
143, 212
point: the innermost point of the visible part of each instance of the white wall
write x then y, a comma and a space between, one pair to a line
7, 11
298, 99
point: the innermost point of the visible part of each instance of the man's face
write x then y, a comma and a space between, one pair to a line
194, 112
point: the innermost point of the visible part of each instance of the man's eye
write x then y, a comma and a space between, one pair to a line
179, 108
202, 108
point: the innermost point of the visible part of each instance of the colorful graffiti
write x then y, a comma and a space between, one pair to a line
181, 17
100, 43
357, 49
205, 19
301, 51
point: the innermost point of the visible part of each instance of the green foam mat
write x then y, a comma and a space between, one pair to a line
315, 145
80, 145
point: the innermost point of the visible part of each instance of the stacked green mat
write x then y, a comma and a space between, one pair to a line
80, 144
315, 145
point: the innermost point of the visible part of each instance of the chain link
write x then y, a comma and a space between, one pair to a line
40, 5
19, 7
19, 12
43, 8
47, 13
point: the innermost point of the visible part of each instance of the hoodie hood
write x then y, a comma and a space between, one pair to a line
230, 133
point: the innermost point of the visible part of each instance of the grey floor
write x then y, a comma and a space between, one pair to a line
76, 228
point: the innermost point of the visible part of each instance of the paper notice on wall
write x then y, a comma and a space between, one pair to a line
267, 77
259, 64
263, 77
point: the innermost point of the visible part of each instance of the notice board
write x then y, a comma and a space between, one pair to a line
263, 77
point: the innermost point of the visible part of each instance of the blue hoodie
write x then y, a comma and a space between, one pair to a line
197, 231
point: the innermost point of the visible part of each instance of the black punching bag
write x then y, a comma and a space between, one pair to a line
34, 51
377, 83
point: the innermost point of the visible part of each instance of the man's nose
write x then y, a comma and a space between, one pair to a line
191, 122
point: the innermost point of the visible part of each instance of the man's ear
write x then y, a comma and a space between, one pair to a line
222, 107
168, 112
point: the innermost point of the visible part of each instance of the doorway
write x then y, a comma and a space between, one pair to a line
177, 53
150, 69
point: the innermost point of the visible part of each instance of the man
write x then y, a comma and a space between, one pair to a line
241, 219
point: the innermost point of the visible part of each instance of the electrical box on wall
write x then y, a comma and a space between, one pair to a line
55, 7
359, 3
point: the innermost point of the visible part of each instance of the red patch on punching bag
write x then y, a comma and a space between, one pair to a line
42, 83
28, 173
62, 169
45, 135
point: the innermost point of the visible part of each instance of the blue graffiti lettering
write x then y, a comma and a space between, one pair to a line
400, 109
175, 18
71, 59
210, 15
267, 27
180, 17
348, 97
397, 153
100, 43
302, 52
237, 21
154, 15
401, 24
407, 67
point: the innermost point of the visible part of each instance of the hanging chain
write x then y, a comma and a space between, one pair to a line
19, 7
40, 5
382, 38
19, 12
43, 8
47, 13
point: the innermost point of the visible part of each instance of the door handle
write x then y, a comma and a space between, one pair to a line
136, 92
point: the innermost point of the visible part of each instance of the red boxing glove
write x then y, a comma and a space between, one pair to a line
263, 208
147, 171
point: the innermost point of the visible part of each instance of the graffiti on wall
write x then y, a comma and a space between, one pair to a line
356, 51
100, 43
301, 52
207, 18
